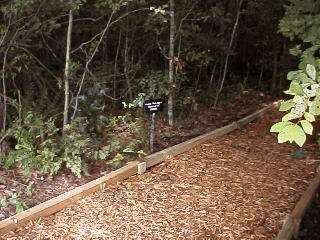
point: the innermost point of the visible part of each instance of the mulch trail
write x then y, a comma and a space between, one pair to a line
239, 186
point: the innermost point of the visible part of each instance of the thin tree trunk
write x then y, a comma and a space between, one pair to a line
116, 67
171, 62
196, 86
126, 60
282, 63
4, 92
260, 77
212, 74
86, 68
245, 82
67, 74
228, 55
274, 71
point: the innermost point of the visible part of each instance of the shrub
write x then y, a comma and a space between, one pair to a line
302, 109
40, 147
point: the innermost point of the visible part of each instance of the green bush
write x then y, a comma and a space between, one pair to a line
303, 108
40, 147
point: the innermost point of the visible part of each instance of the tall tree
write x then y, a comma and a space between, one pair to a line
67, 73
229, 49
171, 62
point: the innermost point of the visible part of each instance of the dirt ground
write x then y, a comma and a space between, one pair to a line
239, 186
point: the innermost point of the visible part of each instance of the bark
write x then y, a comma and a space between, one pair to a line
171, 62
67, 74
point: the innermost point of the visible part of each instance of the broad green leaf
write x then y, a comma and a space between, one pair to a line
296, 51
298, 100
299, 109
309, 117
288, 92
289, 116
283, 137
310, 93
279, 127
293, 75
296, 89
286, 105
311, 70
304, 78
315, 86
292, 133
307, 127
315, 107
299, 135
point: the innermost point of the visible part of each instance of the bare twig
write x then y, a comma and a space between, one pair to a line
102, 35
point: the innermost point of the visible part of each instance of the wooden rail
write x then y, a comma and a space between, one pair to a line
291, 226
62, 201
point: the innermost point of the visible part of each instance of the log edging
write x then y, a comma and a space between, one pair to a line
291, 225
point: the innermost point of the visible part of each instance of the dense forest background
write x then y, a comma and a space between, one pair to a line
119, 49
69, 68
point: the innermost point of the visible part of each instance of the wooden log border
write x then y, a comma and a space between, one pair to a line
291, 226
60, 202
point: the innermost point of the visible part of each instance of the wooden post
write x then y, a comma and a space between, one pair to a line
152, 128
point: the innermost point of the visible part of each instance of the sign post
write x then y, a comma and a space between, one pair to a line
152, 132
153, 106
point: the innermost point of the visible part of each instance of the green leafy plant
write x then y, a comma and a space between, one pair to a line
15, 201
126, 136
76, 147
3, 202
92, 105
302, 109
41, 148
136, 103
117, 161
30, 189
34, 149
155, 84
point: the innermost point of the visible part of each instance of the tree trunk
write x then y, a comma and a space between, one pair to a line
67, 74
126, 59
246, 79
212, 74
4, 92
274, 71
260, 77
283, 64
171, 62
116, 67
228, 54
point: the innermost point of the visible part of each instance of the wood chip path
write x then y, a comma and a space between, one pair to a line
239, 186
